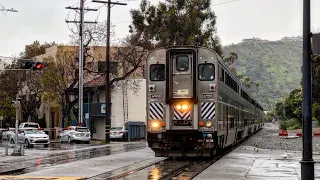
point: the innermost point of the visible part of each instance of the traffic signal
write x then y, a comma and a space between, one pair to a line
38, 66
32, 65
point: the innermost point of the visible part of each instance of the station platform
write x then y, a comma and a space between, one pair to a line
247, 162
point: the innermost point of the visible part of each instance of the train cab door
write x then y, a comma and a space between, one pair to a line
182, 76
182, 89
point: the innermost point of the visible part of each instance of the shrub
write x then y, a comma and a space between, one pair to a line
290, 124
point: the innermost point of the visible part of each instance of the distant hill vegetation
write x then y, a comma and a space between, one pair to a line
276, 65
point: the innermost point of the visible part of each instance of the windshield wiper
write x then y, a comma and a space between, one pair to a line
205, 62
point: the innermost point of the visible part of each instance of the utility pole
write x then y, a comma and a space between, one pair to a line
81, 56
108, 89
307, 162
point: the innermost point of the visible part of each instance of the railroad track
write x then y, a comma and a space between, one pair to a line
170, 169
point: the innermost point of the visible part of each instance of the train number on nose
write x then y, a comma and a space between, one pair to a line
156, 96
207, 95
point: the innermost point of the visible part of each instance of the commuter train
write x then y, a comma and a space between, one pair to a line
195, 105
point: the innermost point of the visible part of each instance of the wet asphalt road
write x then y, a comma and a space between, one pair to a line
41, 157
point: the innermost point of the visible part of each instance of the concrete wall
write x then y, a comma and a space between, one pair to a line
98, 124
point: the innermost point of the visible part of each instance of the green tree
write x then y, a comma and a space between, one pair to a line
316, 79
179, 22
176, 22
36, 49
280, 110
293, 104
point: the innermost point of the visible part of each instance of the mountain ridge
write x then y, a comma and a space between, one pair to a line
276, 65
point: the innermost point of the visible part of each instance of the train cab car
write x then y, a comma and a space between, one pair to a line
195, 105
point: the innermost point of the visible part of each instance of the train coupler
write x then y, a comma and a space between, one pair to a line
164, 149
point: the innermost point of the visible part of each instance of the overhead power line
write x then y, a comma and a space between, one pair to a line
225, 3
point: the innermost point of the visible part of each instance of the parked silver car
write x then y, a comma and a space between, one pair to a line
120, 132
75, 133
30, 137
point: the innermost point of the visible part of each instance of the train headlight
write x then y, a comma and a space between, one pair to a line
155, 124
185, 107
209, 124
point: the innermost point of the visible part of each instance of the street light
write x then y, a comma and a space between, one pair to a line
3, 9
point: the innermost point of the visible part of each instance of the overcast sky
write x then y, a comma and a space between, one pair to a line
44, 20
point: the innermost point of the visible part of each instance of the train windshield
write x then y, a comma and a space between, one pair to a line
182, 63
157, 72
206, 72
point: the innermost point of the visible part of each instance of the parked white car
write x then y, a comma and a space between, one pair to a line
30, 137
6, 134
120, 132
29, 125
75, 133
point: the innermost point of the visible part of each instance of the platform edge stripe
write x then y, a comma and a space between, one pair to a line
42, 177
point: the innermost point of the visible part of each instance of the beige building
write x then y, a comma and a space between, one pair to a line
62, 54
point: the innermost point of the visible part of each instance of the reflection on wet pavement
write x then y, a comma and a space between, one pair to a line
158, 171
43, 161
54, 146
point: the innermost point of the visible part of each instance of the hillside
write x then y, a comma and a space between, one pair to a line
276, 65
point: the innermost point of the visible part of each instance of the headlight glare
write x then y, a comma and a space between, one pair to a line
185, 107
155, 124
209, 124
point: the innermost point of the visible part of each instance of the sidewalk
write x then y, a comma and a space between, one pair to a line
96, 166
247, 162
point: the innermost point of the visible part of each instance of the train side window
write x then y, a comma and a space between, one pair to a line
206, 72
182, 63
157, 72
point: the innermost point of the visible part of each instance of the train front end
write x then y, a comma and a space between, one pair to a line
181, 101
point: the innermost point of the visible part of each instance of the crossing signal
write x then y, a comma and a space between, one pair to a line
32, 65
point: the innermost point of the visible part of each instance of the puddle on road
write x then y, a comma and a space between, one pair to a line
37, 164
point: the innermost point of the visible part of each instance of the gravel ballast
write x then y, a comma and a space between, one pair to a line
268, 138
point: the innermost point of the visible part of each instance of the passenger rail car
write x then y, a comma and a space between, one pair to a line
195, 104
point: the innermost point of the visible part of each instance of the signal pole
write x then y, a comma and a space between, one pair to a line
307, 162
108, 89
80, 82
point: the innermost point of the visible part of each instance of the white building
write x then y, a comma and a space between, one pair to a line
127, 105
